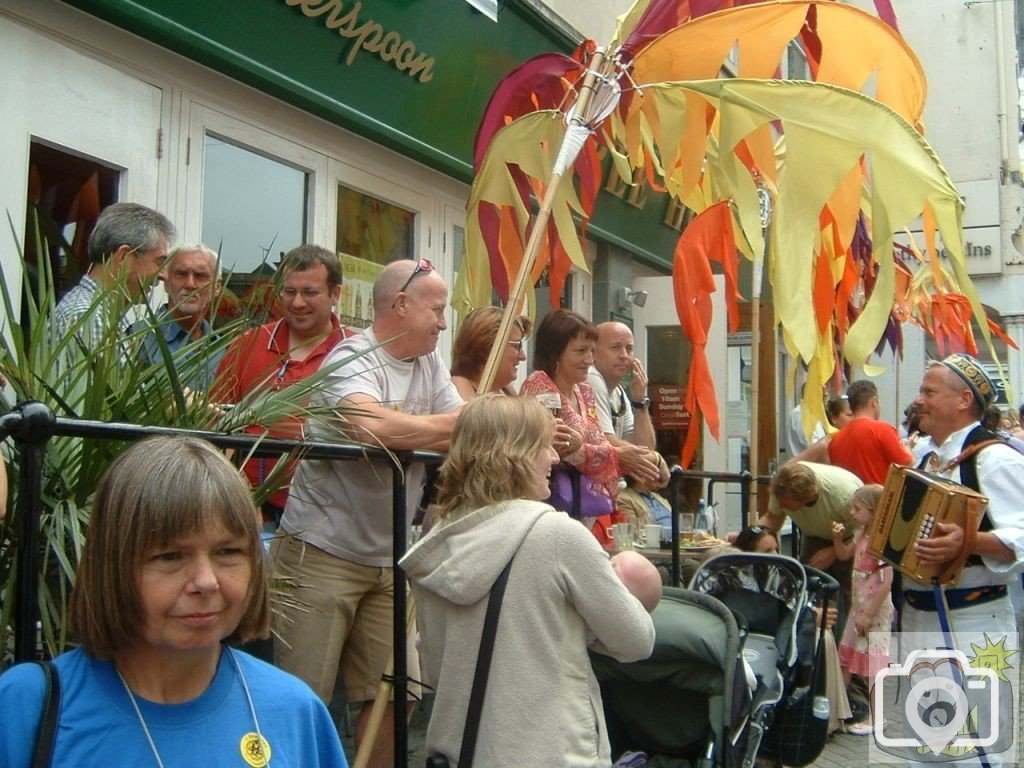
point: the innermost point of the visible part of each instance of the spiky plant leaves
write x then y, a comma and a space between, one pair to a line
97, 372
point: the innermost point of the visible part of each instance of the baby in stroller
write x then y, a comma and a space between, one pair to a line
733, 673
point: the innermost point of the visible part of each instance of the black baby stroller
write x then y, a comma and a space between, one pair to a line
772, 599
731, 654
677, 705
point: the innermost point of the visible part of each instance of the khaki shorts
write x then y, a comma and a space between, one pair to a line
329, 611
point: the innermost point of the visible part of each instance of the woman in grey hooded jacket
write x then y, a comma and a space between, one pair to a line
543, 706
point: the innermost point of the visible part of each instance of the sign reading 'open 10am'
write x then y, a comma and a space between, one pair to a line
667, 406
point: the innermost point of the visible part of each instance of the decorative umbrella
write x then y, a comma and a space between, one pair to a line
840, 169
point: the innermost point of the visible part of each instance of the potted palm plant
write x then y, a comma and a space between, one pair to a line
108, 382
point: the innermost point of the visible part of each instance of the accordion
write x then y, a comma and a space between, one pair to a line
913, 502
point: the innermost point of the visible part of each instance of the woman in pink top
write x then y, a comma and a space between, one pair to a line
563, 354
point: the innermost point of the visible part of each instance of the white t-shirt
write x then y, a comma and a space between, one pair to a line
613, 409
344, 507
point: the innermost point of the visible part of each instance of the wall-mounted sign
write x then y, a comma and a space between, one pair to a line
368, 36
667, 409
982, 235
982, 248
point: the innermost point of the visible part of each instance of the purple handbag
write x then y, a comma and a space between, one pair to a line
574, 492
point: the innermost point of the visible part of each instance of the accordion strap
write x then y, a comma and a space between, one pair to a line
971, 524
967, 453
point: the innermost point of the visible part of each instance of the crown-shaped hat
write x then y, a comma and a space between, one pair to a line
974, 376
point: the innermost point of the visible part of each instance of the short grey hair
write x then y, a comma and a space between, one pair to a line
128, 224
390, 279
202, 248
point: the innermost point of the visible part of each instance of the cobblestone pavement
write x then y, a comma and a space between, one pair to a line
842, 750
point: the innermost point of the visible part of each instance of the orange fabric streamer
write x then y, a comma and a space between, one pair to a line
710, 236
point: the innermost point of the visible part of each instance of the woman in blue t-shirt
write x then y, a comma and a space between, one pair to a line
172, 569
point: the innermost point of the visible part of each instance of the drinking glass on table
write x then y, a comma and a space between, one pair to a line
686, 525
622, 536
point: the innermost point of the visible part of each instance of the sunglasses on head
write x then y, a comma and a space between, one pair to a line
422, 266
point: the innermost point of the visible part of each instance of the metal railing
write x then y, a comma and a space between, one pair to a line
677, 474
31, 425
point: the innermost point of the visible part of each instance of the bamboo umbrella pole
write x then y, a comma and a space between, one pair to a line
380, 704
755, 386
566, 157
764, 196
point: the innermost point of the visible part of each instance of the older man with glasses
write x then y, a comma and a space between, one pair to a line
334, 565
285, 351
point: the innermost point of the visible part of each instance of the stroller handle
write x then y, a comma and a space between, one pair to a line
820, 582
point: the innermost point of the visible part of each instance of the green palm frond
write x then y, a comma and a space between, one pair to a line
106, 379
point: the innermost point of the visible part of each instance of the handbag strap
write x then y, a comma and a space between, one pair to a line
46, 736
483, 667
576, 478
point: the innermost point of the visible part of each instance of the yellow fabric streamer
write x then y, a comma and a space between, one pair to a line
828, 129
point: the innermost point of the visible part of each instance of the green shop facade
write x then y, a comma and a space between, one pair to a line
259, 125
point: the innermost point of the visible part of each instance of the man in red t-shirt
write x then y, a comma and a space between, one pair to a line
866, 446
284, 351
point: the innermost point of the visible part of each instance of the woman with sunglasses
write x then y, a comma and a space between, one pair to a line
472, 347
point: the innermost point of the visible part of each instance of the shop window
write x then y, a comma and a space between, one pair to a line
458, 246
458, 235
371, 233
66, 193
255, 209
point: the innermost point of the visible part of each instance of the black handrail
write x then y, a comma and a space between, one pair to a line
677, 474
32, 425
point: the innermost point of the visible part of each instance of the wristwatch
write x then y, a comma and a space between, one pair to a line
644, 404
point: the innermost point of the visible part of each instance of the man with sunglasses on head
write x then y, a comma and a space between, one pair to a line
334, 563
127, 249
282, 352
